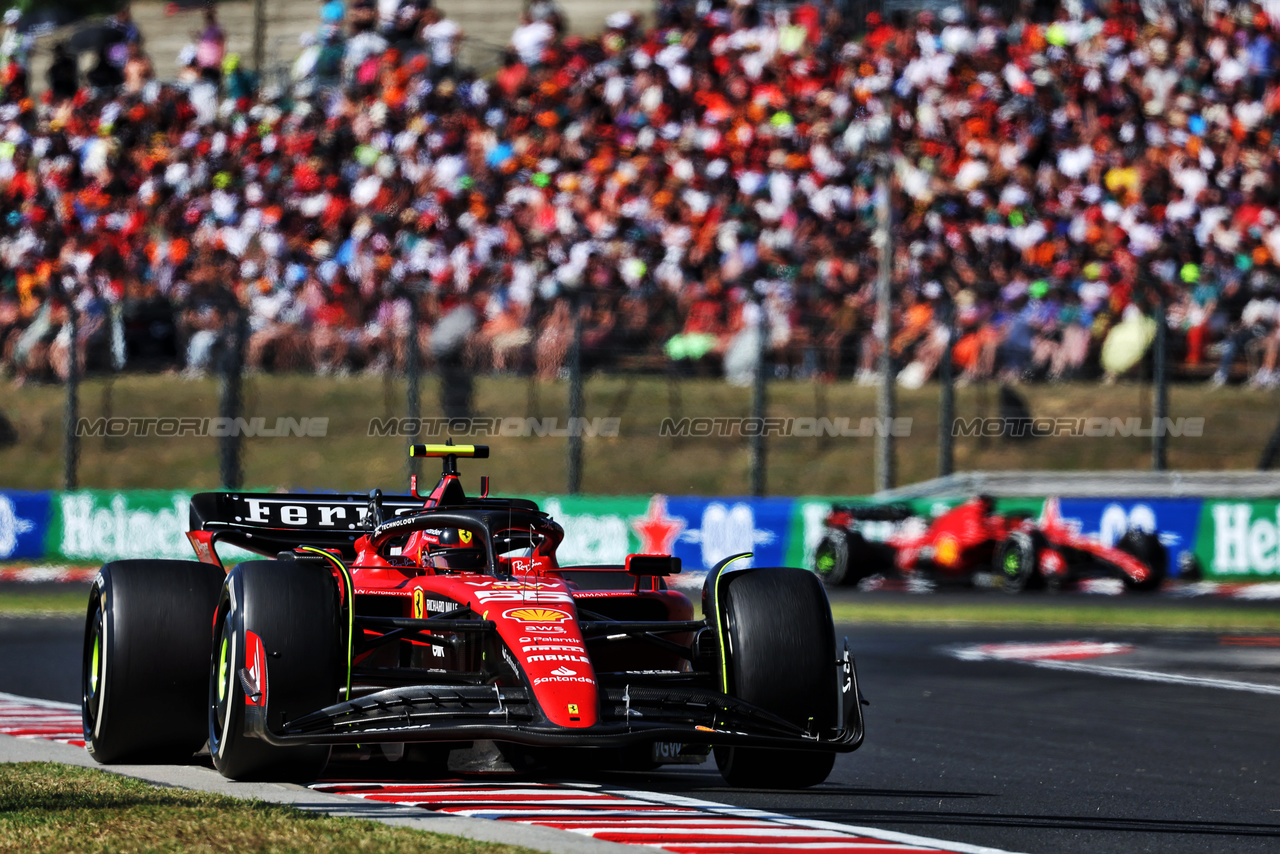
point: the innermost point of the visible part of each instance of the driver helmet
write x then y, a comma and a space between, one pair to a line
454, 548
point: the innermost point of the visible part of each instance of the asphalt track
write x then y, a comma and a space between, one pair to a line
985, 752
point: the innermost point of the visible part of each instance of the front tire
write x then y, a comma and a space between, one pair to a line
780, 654
292, 608
1147, 548
146, 651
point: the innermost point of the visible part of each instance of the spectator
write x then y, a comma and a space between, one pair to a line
138, 70
64, 73
441, 36
531, 38
1045, 173
127, 35
211, 48
15, 46
105, 74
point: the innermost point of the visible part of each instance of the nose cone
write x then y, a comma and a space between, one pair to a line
548, 646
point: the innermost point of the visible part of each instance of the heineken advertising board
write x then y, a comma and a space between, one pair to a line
1237, 538
92, 525
1231, 540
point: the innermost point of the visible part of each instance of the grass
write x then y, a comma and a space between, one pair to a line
985, 609
41, 602
1058, 613
48, 807
638, 461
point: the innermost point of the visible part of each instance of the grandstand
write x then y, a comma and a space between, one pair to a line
692, 177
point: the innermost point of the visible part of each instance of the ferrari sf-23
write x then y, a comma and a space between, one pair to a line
426, 624
1020, 552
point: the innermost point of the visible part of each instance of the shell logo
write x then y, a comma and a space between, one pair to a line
536, 615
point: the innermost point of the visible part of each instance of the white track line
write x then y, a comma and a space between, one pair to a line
1041, 655
1156, 676
32, 701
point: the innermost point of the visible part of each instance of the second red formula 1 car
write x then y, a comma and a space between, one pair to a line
428, 624
972, 538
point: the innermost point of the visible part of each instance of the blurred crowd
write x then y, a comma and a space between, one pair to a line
1065, 177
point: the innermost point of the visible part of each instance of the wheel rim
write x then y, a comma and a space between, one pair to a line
1012, 562
223, 666
94, 678
220, 707
93, 665
826, 561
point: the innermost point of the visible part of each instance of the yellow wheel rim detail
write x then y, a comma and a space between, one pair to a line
223, 667
93, 665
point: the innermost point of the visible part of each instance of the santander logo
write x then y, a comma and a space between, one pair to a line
564, 671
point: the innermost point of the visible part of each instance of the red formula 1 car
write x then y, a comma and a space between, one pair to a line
444, 622
971, 538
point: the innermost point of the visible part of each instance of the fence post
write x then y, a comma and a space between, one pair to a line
232, 403
412, 369
259, 37
1159, 442
758, 402
885, 474
947, 398
71, 417
574, 467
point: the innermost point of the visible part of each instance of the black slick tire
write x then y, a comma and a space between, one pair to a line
292, 607
1147, 548
146, 653
780, 656
1017, 561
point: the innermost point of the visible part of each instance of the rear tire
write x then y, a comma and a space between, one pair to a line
292, 607
1146, 547
145, 652
780, 655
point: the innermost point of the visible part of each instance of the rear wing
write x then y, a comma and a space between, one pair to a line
877, 512
268, 523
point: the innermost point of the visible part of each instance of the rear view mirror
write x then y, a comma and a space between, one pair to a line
659, 565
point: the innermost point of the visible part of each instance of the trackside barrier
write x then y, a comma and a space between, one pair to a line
1232, 540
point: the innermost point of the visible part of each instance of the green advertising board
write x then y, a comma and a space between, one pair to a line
94, 526
596, 530
91, 526
1239, 538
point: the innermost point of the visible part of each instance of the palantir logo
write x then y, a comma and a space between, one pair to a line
11, 527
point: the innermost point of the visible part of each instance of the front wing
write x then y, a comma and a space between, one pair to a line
674, 710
